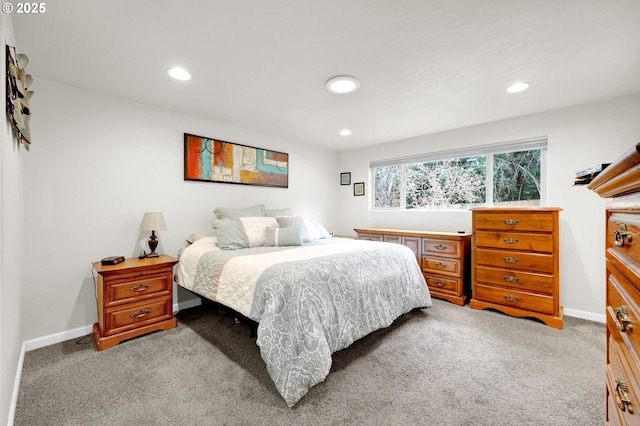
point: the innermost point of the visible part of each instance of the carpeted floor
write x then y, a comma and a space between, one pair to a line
447, 365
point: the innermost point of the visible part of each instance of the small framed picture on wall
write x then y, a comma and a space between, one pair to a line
358, 188
345, 178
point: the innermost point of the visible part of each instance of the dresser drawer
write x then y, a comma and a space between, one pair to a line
514, 298
437, 247
539, 262
443, 284
126, 289
371, 237
126, 317
514, 221
440, 265
622, 385
515, 279
623, 237
515, 241
622, 310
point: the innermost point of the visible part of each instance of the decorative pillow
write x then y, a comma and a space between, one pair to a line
230, 233
255, 211
295, 222
278, 237
321, 229
279, 212
238, 233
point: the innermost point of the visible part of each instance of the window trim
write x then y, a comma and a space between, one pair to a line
540, 142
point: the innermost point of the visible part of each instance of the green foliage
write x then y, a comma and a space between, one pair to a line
516, 176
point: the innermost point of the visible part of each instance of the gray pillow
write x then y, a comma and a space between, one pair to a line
255, 211
278, 237
230, 233
279, 212
295, 222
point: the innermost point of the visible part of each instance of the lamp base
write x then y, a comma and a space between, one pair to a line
154, 254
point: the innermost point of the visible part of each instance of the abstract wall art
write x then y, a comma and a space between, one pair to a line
214, 160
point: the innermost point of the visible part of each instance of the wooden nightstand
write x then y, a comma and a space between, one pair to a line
135, 297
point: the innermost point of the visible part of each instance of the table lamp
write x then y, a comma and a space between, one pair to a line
153, 222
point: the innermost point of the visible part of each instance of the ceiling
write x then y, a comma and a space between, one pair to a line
425, 66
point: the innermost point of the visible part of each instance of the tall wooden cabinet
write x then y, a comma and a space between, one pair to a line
516, 261
442, 256
621, 181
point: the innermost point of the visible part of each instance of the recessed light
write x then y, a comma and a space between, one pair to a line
518, 87
345, 132
179, 73
342, 84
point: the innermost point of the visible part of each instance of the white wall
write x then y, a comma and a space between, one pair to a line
98, 163
11, 242
578, 138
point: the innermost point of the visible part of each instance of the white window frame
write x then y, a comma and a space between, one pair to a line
488, 150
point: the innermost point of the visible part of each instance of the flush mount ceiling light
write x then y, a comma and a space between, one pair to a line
345, 132
179, 73
342, 84
518, 87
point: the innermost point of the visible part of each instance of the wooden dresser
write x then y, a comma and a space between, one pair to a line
442, 256
134, 297
621, 181
516, 262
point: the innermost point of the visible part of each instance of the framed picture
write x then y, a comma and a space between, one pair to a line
345, 178
358, 188
214, 160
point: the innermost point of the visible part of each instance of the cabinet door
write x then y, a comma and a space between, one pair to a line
414, 244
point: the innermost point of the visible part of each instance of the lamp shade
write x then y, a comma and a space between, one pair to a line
153, 222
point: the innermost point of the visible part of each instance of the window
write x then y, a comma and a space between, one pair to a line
508, 174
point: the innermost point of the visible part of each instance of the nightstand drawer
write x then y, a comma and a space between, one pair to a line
515, 241
440, 265
141, 286
514, 298
371, 237
515, 279
126, 317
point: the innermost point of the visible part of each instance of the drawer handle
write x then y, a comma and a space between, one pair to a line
440, 247
141, 313
511, 221
511, 279
510, 260
512, 299
141, 287
622, 316
622, 236
441, 265
511, 240
622, 396
440, 283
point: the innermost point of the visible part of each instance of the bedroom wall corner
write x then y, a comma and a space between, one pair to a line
11, 247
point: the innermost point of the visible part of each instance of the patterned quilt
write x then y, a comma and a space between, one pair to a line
309, 301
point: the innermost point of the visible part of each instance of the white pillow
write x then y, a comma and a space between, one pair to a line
255, 228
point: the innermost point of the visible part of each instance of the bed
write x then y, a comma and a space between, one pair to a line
310, 294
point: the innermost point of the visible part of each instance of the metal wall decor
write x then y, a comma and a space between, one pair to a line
213, 160
18, 95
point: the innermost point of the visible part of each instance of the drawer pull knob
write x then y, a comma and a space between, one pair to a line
441, 265
511, 240
440, 247
141, 287
622, 316
622, 396
512, 299
511, 279
510, 260
622, 236
511, 221
141, 313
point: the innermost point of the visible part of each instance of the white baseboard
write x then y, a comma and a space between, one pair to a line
585, 315
41, 342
